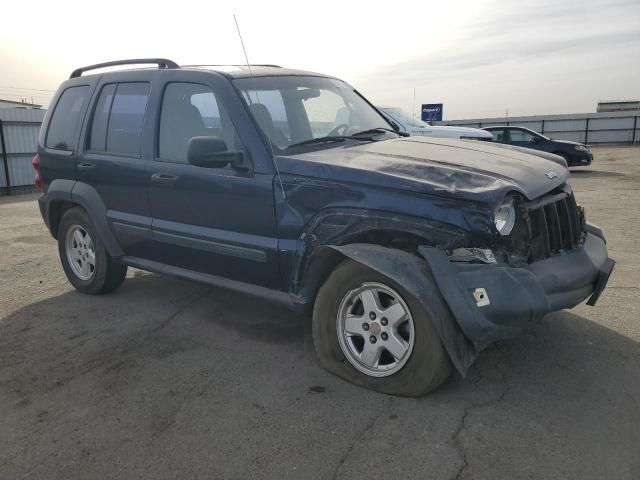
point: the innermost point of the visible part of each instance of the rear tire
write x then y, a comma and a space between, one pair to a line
417, 369
84, 258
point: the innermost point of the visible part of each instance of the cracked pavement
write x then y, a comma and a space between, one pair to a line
170, 379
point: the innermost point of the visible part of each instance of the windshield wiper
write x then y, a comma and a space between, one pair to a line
382, 130
333, 138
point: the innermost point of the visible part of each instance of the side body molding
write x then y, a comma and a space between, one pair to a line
413, 273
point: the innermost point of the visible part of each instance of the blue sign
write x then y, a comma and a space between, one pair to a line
432, 112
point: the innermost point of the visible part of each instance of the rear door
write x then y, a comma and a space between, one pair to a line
111, 159
218, 221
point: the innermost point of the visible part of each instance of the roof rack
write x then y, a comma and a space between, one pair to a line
237, 65
161, 62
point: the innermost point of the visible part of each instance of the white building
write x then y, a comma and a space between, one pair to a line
16, 104
619, 106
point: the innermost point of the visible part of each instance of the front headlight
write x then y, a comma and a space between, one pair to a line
505, 217
581, 148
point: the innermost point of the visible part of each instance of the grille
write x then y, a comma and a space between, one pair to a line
555, 224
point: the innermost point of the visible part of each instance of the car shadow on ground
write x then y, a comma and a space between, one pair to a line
163, 363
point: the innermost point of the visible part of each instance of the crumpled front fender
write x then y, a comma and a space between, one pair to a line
510, 297
413, 273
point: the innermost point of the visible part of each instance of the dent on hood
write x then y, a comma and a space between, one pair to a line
466, 169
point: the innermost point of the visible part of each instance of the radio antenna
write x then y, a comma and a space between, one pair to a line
246, 57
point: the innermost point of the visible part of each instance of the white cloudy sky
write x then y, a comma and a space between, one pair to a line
478, 57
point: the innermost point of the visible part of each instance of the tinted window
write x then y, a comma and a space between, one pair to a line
65, 118
191, 110
124, 130
521, 136
101, 119
498, 135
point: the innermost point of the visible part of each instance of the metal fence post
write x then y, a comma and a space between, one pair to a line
5, 158
586, 132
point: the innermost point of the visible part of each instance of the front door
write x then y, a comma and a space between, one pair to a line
522, 138
218, 221
499, 135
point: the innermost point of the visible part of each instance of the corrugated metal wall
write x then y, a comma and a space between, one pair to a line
20, 127
591, 128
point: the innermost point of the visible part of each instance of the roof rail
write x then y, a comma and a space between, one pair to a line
161, 62
236, 65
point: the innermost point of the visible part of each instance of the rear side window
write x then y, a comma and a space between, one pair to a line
119, 117
101, 119
65, 118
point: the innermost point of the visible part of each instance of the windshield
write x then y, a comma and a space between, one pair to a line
404, 118
293, 110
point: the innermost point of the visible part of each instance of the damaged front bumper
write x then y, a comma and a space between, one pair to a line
496, 301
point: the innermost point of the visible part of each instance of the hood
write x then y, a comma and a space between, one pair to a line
466, 169
453, 132
538, 153
566, 142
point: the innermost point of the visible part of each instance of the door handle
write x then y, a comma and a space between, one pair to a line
86, 166
164, 178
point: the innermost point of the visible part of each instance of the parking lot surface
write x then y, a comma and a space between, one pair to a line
170, 379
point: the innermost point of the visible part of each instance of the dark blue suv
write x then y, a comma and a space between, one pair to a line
412, 253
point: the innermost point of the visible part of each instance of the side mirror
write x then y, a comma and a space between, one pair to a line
211, 152
535, 140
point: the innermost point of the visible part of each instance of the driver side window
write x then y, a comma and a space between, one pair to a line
521, 136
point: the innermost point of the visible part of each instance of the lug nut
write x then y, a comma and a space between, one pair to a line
365, 326
384, 335
373, 339
372, 315
384, 321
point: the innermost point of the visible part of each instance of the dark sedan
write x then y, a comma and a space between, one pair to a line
576, 154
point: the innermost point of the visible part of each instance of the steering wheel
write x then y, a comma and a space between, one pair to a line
336, 131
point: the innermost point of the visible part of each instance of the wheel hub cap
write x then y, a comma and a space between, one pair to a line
81, 252
375, 329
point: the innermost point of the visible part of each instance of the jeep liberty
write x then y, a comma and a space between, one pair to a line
412, 253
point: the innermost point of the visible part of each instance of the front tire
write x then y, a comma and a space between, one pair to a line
84, 258
370, 331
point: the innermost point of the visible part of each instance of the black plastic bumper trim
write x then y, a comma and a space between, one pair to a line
518, 295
